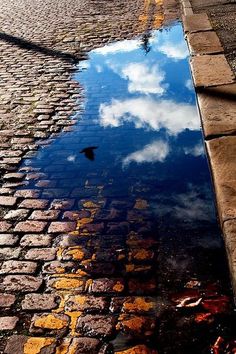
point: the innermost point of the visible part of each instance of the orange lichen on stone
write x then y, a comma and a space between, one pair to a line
74, 315
68, 283
35, 345
90, 205
138, 304
142, 255
64, 347
75, 252
50, 322
118, 287
134, 323
138, 349
141, 204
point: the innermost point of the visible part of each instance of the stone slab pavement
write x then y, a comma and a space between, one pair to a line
210, 28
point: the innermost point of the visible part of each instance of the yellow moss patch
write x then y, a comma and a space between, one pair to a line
50, 322
68, 283
141, 204
138, 349
118, 287
139, 304
35, 345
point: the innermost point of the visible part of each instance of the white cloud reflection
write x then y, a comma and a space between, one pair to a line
122, 46
145, 112
144, 78
176, 51
197, 150
156, 151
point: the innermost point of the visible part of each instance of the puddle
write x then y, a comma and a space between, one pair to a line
136, 158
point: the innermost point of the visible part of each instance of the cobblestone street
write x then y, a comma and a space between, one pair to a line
80, 266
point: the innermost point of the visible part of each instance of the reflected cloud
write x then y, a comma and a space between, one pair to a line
122, 46
194, 205
189, 85
154, 152
176, 51
197, 150
145, 112
71, 158
144, 78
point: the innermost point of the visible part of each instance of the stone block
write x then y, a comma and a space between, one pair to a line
196, 23
218, 109
211, 70
204, 43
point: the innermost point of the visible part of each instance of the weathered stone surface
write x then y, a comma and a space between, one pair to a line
218, 109
49, 323
9, 253
67, 283
221, 151
19, 214
60, 226
8, 323
85, 345
210, 70
30, 345
34, 203
44, 215
8, 239
30, 226
229, 232
8, 201
44, 254
7, 300
27, 193
18, 267
86, 303
40, 302
106, 285
204, 43
96, 325
5, 226
23, 283
196, 23
35, 240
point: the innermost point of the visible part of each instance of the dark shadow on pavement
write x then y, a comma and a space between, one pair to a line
25, 44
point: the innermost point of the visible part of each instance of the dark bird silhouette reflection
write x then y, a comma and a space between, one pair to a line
89, 152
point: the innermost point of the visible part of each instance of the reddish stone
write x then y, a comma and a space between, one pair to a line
60, 226
44, 215
18, 267
75, 215
62, 204
44, 254
23, 283
7, 300
96, 325
40, 302
4, 226
27, 193
8, 239
8, 201
30, 226
8, 323
35, 240
34, 203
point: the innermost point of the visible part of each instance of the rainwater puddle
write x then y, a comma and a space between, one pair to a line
144, 182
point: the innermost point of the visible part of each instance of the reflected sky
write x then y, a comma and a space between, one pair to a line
139, 110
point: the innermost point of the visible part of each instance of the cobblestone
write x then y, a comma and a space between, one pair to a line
17, 267
8, 323
40, 302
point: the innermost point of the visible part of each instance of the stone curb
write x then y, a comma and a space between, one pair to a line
215, 87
